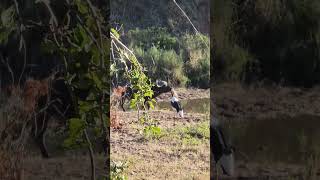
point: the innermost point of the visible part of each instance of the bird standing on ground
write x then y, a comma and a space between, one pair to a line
175, 103
222, 152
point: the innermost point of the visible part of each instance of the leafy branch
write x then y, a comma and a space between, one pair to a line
141, 84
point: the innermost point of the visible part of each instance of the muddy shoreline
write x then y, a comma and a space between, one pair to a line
263, 122
236, 102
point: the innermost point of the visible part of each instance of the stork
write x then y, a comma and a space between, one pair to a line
222, 152
175, 103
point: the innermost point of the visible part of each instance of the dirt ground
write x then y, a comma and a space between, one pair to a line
234, 102
184, 93
169, 157
72, 167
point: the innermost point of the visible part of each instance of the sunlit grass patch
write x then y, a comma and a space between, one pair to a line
119, 170
192, 134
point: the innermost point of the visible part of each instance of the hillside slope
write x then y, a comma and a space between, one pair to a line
161, 13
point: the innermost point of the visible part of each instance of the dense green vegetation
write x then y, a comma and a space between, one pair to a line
165, 43
182, 60
275, 40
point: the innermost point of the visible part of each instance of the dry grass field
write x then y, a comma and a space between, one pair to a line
180, 152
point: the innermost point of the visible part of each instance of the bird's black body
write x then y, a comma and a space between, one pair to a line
220, 149
176, 105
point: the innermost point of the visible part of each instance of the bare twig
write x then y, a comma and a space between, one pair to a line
113, 44
22, 40
195, 29
93, 168
119, 42
9, 68
113, 37
54, 18
24, 58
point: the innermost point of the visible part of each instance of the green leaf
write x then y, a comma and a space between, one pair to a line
7, 16
84, 106
82, 8
75, 127
113, 69
95, 58
151, 105
85, 43
96, 80
4, 36
148, 94
115, 33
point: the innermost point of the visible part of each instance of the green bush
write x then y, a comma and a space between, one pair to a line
182, 60
162, 64
197, 55
153, 36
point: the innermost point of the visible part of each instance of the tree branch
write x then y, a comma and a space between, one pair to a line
93, 167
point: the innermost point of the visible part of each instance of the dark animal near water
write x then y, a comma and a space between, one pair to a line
127, 92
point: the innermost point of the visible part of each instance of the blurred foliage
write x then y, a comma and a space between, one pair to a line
182, 60
68, 37
275, 40
124, 61
134, 73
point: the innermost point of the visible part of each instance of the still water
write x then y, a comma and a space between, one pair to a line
282, 139
189, 106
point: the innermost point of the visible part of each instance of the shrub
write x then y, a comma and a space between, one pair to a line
179, 59
163, 64
197, 55
153, 36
